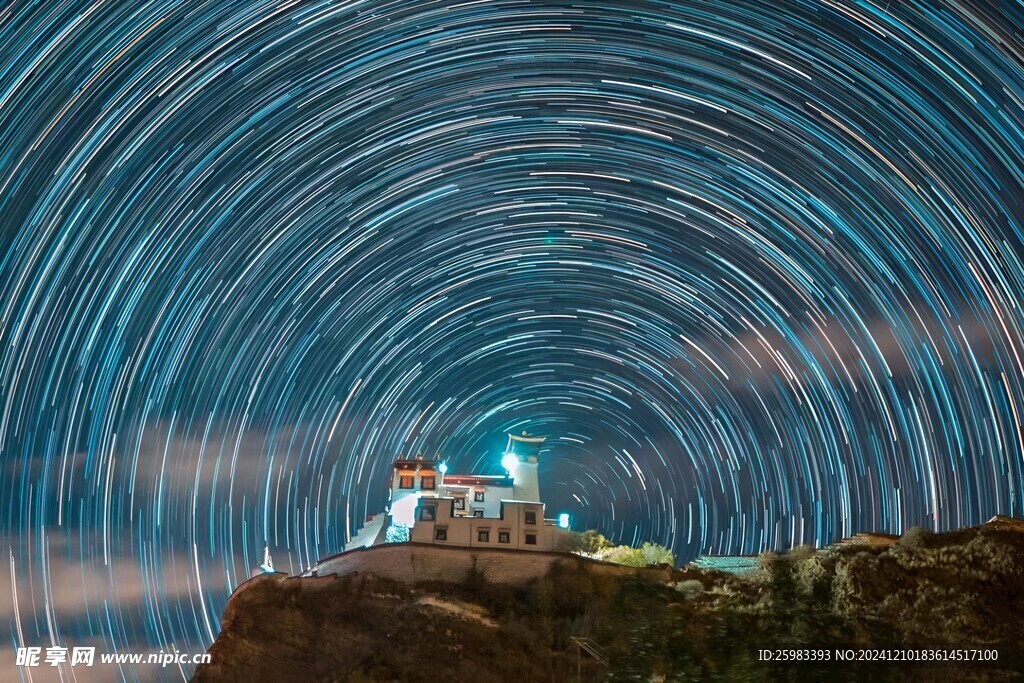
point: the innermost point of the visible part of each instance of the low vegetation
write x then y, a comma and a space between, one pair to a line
593, 545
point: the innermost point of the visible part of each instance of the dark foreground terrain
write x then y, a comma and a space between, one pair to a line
962, 590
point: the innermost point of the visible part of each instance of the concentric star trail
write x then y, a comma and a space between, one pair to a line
754, 268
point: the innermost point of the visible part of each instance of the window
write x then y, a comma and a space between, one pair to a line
478, 513
460, 503
503, 537
478, 496
405, 482
531, 539
427, 483
483, 535
441, 533
531, 517
428, 513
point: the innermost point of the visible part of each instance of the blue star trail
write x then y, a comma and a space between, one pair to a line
754, 268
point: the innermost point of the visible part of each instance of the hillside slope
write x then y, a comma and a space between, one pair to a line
961, 589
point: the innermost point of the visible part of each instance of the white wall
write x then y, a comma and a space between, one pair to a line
403, 502
403, 507
493, 495
526, 486
465, 531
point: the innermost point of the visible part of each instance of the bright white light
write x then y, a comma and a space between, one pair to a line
509, 462
403, 510
443, 468
563, 520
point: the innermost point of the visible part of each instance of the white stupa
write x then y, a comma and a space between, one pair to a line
267, 566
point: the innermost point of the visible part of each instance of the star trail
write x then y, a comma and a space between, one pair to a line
755, 269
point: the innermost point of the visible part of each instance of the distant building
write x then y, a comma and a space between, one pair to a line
740, 565
429, 505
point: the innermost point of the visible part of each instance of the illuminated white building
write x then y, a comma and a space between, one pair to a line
429, 505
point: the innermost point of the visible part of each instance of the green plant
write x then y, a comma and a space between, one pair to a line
588, 542
654, 554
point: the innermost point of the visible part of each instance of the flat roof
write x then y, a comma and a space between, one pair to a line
413, 462
526, 438
478, 480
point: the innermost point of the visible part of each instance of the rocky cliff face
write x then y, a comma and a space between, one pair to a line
963, 589
362, 627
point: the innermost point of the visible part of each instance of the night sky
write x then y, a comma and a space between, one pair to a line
755, 269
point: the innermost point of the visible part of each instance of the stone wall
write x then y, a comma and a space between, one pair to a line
412, 562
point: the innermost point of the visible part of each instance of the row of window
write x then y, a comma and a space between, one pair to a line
484, 536
430, 484
426, 483
460, 501
428, 513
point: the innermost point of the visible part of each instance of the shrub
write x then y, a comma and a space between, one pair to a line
766, 566
623, 554
842, 589
914, 538
801, 553
692, 589
397, 533
588, 543
654, 554
811, 577
648, 555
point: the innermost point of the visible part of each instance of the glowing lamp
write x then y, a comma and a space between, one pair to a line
509, 462
563, 520
443, 468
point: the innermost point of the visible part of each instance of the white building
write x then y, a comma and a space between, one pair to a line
494, 511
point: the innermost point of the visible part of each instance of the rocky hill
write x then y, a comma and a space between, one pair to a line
958, 591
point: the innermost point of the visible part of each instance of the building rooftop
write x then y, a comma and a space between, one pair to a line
477, 480
526, 438
409, 463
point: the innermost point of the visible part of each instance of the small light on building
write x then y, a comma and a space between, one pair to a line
443, 468
563, 520
509, 462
